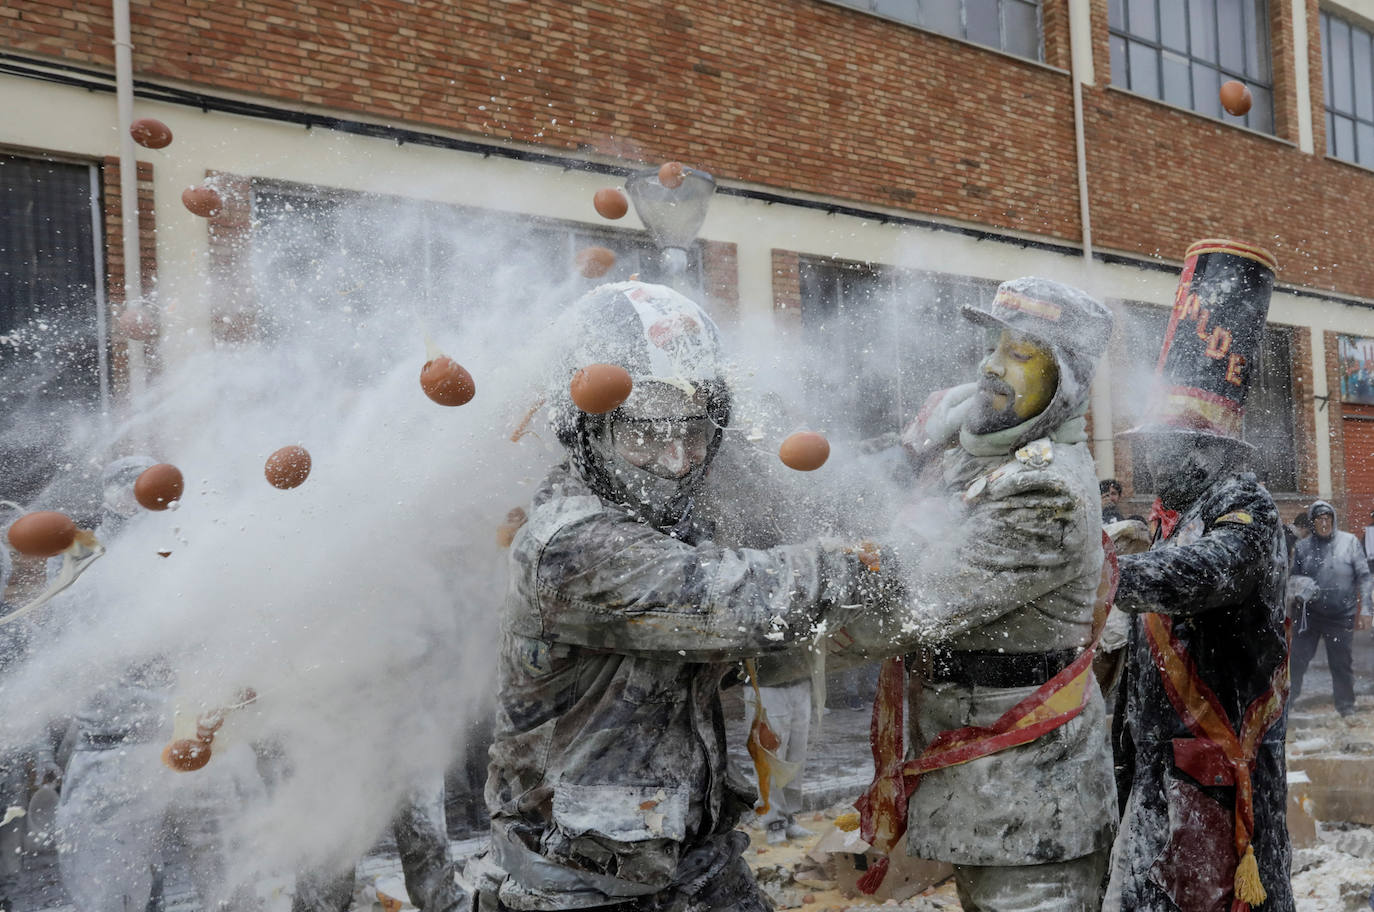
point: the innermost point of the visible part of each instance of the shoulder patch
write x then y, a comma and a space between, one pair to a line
1235, 516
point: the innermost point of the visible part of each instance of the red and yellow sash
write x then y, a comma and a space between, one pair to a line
1202, 712
883, 808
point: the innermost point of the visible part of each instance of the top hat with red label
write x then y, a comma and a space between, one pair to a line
1212, 342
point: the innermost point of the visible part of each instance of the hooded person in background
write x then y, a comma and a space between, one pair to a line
609, 784
122, 811
1335, 561
1199, 725
1002, 562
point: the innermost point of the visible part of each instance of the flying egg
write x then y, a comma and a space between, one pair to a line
288, 467
159, 486
446, 381
599, 388
610, 203
595, 262
150, 133
43, 534
202, 201
804, 451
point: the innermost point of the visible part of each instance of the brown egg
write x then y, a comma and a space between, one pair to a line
186, 755
288, 467
595, 262
599, 388
610, 203
150, 133
158, 486
804, 451
1235, 98
202, 201
43, 534
447, 382
670, 175
138, 324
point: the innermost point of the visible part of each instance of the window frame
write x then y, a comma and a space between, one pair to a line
1328, 101
917, 21
1122, 76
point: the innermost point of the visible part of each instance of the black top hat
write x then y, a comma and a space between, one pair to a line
1209, 348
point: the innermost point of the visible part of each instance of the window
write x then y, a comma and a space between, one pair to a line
53, 362
335, 251
1346, 66
1181, 51
890, 337
1269, 420
1008, 25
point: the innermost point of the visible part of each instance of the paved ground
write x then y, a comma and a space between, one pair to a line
837, 770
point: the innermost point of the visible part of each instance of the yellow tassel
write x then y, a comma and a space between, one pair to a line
1249, 890
847, 822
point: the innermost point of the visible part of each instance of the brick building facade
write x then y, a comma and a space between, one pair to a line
857, 155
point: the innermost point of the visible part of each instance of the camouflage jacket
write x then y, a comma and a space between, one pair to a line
609, 757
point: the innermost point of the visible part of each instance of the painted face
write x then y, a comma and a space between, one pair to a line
1324, 525
669, 448
1018, 380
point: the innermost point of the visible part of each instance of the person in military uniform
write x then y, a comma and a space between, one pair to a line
608, 781
1200, 724
1001, 574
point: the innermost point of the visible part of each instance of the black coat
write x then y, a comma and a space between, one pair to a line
1221, 576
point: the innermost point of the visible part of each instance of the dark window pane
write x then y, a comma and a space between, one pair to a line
983, 21
1345, 138
1173, 24
901, 10
1116, 14
1342, 93
1257, 62
1231, 29
942, 16
1206, 90
1120, 75
1364, 144
1022, 30
1202, 29
1144, 69
1364, 98
1142, 19
1261, 116
1177, 84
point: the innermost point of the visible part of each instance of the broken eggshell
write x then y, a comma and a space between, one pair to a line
159, 486
186, 755
600, 388
804, 451
610, 203
447, 382
46, 533
288, 467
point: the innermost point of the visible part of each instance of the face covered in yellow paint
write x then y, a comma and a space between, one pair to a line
1017, 381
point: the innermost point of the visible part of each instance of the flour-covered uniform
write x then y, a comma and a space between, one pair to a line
1221, 579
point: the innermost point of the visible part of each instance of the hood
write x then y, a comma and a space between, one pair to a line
1317, 509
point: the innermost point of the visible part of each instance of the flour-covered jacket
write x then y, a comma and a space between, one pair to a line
609, 759
1221, 576
1009, 563
1341, 571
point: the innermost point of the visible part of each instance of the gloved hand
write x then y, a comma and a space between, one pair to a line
937, 423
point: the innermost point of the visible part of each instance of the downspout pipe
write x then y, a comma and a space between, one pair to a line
1081, 73
128, 183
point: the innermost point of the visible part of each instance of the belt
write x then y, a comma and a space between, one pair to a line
999, 669
105, 741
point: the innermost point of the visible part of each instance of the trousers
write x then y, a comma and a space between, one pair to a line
788, 708
1338, 656
1066, 886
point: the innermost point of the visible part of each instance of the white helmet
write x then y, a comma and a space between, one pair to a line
671, 349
